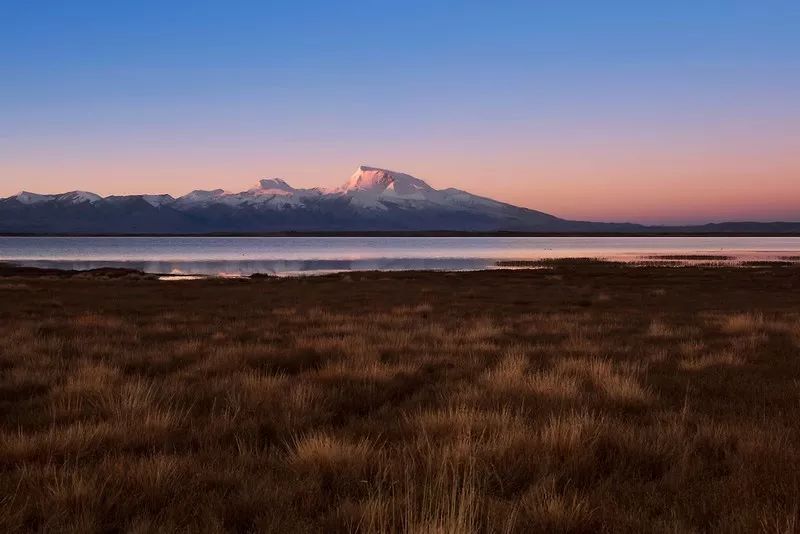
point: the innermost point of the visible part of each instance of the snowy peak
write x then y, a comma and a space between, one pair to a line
273, 186
374, 188
369, 179
79, 197
276, 184
73, 197
200, 197
158, 200
375, 180
26, 197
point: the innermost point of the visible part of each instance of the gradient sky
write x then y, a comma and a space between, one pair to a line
671, 112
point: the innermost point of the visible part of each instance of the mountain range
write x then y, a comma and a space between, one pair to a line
372, 199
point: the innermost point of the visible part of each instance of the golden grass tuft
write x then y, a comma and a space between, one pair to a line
327, 454
460, 420
543, 508
716, 359
432, 496
611, 381
658, 328
743, 323
568, 432
101, 321
511, 375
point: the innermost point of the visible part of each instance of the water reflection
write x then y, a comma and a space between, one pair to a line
276, 267
242, 256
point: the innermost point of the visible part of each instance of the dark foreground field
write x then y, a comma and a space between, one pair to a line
585, 398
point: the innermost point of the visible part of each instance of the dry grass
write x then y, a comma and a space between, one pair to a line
704, 361
740, 323
658, 328
586, 398
326, 454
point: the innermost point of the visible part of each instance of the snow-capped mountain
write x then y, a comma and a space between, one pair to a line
375, 188
372, 199
73, 197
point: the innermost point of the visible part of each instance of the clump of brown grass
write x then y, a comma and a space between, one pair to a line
461, 420
612, 381
413, 310
722, 359
565, 433
579, 343
510, 372
435, 495
554, 384
74, 441
100, 321
544, 508
369, 370
478, 330
326, 454
691, 347
262, 389
743, 323
511, 375
658, 328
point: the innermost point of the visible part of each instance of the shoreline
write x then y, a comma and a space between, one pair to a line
389, 234
10, 269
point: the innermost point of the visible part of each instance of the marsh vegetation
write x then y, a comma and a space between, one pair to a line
583, 397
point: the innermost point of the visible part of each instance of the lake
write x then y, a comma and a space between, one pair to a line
237, 256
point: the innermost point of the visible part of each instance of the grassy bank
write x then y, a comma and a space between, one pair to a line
580, 398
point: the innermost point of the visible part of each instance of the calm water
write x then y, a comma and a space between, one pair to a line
297, 255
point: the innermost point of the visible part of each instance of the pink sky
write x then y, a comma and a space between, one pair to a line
715, 180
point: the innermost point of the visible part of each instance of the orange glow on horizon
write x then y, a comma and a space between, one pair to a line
646, 184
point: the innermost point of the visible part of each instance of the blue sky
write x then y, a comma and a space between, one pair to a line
560, 106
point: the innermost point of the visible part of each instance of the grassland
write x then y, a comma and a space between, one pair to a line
580, 398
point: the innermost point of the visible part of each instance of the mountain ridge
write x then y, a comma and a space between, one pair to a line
371, 200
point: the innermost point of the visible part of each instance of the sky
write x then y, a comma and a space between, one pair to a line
652, 112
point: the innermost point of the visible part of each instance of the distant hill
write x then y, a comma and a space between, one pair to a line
372, 200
